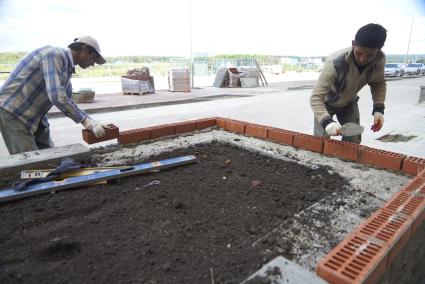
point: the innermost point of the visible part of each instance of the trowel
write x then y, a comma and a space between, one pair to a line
351, 129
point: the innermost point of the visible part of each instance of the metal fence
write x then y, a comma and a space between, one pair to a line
200, 65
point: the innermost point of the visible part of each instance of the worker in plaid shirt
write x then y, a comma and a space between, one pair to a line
39, 81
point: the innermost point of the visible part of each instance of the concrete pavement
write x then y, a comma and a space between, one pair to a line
105, 102
282, 104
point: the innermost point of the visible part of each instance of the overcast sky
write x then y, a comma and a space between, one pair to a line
179, 27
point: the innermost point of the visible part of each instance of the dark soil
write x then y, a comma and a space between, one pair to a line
199, 223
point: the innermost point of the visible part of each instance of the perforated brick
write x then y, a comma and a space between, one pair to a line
341, 149
281, 136
161, 130
413, 165
381, 159
389, 226
357, 259
185, 127
235, 126
111, 132
134, 136
308, 142
410, 203
416, 185
221, 122
256, 130
206, 123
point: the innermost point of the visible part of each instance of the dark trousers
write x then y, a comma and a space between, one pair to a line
18, 138
349, 113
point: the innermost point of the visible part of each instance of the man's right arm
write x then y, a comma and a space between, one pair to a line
52, 66
326, 79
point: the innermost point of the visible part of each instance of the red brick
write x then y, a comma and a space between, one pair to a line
134, 136
235, 126
413, 165
422, 173
221, 122
357, 259
255, 130
410, 203
185, 127
281, 136
380, 158
161, 130
415, 208
341, 149
389, 226
111, 132
206, 123
308, 142
415, 186
397, 200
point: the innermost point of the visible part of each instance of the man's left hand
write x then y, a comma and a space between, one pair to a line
378, 121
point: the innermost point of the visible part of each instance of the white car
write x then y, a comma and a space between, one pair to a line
394, 70
414, 69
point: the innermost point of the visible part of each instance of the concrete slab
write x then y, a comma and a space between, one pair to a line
283, 271
28, 160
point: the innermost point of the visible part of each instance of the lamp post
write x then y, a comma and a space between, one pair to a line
191, 47
408, 44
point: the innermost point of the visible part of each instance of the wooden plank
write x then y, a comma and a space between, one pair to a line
46, 187
40, 158
261, 79
261, 72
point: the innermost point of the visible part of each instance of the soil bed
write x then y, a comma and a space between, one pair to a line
199, 223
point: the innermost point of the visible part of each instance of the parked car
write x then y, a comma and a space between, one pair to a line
414, 69
394, 70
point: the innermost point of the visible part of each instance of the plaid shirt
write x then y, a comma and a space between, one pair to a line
41, 80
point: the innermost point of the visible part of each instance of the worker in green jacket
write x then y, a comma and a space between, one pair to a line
344, 74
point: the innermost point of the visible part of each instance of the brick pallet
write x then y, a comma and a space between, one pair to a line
137, 84
179, 80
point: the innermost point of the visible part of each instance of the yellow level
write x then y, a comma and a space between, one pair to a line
32, 174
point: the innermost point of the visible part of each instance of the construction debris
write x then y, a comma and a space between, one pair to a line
245, 77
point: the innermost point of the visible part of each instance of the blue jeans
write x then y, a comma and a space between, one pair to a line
18, 138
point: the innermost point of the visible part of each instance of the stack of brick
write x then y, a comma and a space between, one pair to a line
179, 80
137, 82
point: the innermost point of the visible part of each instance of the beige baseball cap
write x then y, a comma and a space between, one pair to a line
89, 40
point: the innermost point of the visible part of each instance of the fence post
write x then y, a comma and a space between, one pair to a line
422, 94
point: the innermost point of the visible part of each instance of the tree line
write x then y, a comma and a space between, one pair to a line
14, 57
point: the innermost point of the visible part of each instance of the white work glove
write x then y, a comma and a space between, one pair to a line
378, 121
333, 129
95, 126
